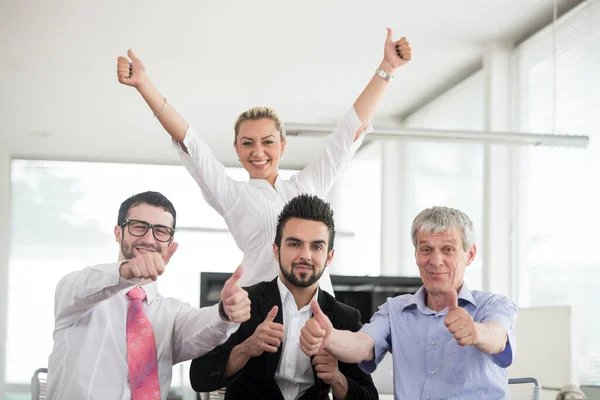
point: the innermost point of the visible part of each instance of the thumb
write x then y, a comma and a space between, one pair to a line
131, 55
235, 278
389, 35
452, 300
318, 314
272, 314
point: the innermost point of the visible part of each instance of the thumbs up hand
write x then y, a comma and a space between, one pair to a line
266, 337
235, 299
131, 73
459, 322
315, 334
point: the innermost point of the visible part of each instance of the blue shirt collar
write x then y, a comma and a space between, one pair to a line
418, 299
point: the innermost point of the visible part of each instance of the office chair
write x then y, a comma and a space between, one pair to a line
214, 395
537, 388
39, 384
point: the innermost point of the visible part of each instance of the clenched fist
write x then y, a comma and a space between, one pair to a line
148, 265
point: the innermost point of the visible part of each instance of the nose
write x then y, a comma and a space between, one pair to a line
437, 258
305, 253
149, 236
259, 149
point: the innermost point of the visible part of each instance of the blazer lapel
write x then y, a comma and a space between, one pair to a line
271, 297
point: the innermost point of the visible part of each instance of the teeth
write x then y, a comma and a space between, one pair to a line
259, 162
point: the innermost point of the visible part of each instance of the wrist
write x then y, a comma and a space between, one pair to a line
144, 86
387, 67
222, 312
339, 387
124, 270
243, 352
328, 341
479, 327
338, 380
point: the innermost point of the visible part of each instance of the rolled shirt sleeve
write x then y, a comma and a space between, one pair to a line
504, 312
379, 329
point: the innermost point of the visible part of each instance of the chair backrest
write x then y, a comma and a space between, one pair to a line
536, 394
39, 382
215, 395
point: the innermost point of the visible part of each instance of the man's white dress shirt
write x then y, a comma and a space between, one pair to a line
294, 374
89, 358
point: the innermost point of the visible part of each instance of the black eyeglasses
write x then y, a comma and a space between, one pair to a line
139, 228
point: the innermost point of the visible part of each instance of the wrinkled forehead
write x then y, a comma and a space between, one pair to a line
453, 236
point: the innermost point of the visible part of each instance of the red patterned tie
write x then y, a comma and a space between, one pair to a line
141, 350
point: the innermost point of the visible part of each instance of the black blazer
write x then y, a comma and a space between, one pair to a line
256, 380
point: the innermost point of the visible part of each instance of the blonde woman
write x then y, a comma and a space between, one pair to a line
250, 208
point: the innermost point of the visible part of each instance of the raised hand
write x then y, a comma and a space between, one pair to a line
147, 265
327, 367
396, 53
235, 299
266, 337
131, 73
315, 334
459, 322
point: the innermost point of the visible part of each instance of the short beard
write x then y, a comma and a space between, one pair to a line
291, 278
127, 251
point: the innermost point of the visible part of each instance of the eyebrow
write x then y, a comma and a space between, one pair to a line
426, 242
247, 138
293, 239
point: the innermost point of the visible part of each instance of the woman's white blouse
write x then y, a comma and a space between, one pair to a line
250, 209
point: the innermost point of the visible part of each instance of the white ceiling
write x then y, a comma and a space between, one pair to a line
59, 97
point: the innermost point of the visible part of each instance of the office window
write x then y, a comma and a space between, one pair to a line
356, 203
560, 187
449, 174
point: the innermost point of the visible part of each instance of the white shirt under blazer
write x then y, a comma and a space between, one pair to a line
251, 208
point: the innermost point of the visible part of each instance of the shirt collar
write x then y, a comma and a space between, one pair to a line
418, 299
259, 182
151, 289
285, 293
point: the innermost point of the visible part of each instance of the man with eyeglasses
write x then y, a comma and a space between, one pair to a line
115, 337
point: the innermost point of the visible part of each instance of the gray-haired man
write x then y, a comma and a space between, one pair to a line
447, 341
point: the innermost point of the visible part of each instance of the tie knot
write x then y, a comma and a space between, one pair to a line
137, 293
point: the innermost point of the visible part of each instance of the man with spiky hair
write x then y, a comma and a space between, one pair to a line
263, 359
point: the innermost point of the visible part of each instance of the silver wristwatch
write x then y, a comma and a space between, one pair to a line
384, 75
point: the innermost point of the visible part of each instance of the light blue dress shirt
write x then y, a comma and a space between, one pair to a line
428, 363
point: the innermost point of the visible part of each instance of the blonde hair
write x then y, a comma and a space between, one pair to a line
257, 113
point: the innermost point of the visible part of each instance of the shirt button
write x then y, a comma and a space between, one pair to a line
427, 398
432, 372
289, 365
433, 342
